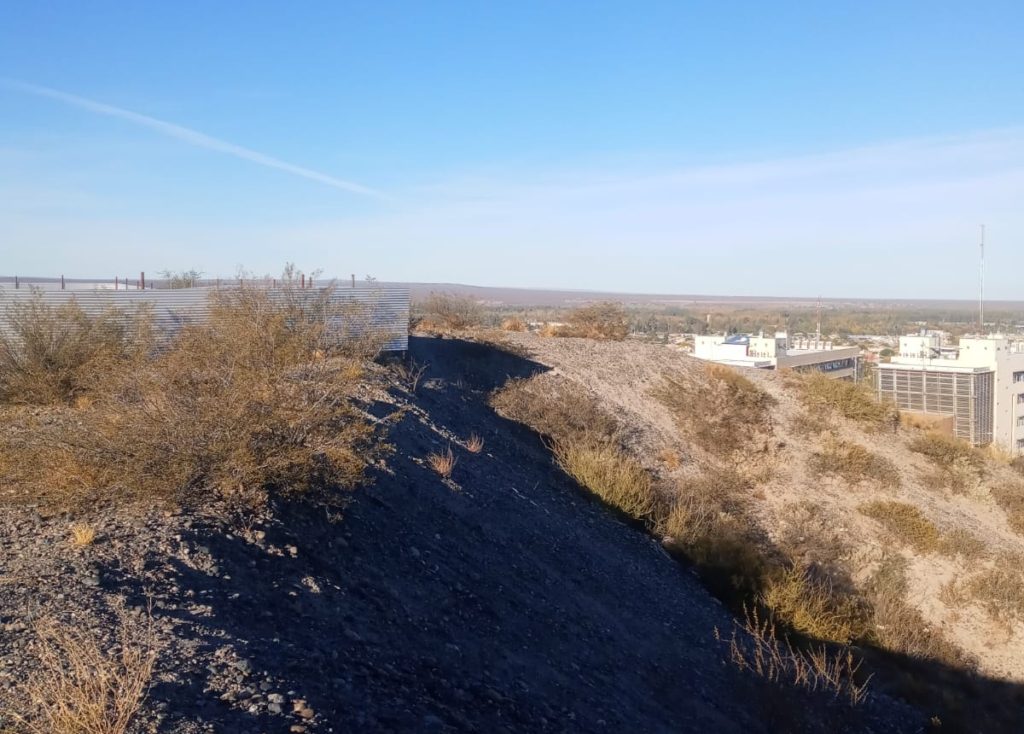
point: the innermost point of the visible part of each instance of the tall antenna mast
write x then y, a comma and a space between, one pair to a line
817, 334
981, 291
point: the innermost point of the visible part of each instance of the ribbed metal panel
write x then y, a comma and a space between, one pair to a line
378, 310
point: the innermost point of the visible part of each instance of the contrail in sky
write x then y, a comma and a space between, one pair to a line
192, 137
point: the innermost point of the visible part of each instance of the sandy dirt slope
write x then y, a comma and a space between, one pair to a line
622, 375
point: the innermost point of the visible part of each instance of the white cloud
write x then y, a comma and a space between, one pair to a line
191, 137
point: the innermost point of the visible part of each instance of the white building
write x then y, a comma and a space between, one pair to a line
979, 385
778, 352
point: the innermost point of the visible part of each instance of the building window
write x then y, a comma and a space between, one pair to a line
1020, 399
1018, 376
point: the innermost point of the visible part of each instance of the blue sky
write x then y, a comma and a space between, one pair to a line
841, 149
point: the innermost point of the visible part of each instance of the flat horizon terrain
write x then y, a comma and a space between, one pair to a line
497, 295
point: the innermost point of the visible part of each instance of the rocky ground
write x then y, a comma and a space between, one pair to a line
503, 600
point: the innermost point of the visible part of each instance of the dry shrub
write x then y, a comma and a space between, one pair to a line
54, 354
513, 323
853, 400
700, 503
82, 686
409, 374
706, 520
717, 406
1000, 589
899, 627
810, 603
259, 396
553, 407
82, 534
810, 423
1017, 465
608, 472
854, 463
548, 330
756, 646
906, 522
474, 444
606, 320
1010, 497
443, 463
811, 535
448, 312
962, 542
958, 466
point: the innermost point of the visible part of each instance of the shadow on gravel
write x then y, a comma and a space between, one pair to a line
509, 602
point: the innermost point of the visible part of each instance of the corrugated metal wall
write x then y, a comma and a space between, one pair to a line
382, 310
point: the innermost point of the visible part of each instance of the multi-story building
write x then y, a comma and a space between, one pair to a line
979, 386
779, 352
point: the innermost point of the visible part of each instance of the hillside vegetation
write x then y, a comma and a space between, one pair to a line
806, 498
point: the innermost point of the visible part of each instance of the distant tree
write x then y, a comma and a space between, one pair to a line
181, 278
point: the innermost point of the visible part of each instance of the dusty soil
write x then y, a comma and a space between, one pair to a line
506, 599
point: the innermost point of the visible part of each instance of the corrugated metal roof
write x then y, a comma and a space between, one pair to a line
383, 310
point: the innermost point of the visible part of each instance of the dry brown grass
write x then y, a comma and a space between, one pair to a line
410, 373
899, 627
905, 522
474, 444
810, 603
1010, 497
717, 406
1017, 465
706, 519
54, 354
554, 407
962, 542
853, 401
810, 423
513, 323
81, 685
1000, 589
82, 534
854, 463
604, 321
810, 534
444, 312
443, 463
259, 396
957, 466
608, 472
755, 646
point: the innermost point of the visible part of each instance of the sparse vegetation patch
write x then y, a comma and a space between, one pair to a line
605, 320
445, 312
716, 406
554, 407
853, 401
79, 687
906, 522
854, 463
258, 396
958, 466
811, 604
608, 472
1010, 497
